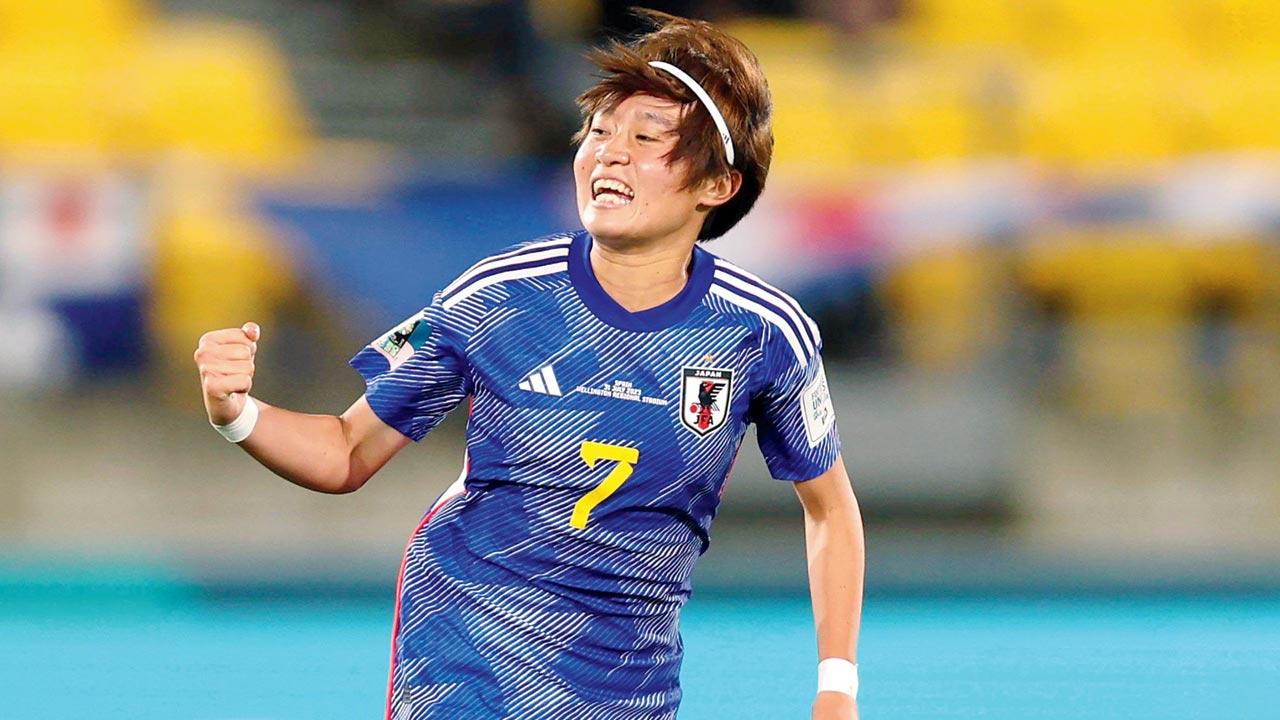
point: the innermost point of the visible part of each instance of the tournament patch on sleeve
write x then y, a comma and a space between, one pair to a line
399, 344
815, 406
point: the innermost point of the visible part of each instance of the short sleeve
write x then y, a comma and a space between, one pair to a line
415, 373
795, 419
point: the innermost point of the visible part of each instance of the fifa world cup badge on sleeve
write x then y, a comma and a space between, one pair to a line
705, 394
400, 344
815, 406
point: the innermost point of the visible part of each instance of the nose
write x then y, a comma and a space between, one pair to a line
613, 151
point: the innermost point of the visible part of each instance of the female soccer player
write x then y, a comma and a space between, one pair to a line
611, 374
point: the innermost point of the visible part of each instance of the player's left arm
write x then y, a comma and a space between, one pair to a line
836, 560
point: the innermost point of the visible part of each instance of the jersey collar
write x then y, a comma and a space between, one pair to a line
607, 310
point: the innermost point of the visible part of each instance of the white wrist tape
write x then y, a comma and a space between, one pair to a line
239, 429
838, 675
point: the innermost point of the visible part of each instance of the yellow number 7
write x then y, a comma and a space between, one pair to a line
593, 452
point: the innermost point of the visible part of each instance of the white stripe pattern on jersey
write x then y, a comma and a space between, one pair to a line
547, 269
751, 290
730, 295
789, 302
554, 247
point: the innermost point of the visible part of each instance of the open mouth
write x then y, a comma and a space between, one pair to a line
610, 192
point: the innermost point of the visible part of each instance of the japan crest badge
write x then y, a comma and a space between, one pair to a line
705, 395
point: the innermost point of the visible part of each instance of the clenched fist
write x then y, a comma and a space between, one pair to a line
225, 361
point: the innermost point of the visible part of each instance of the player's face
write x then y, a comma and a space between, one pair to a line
627, 191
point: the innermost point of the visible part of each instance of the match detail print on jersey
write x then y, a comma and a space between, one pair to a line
705, 395
593, 452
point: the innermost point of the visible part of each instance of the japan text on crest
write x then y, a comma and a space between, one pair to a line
705, 395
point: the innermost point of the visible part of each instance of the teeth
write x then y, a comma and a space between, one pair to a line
612, 199
613, 185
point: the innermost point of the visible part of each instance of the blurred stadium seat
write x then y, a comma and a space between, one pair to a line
1247, 30
57, 61
929, 110
1240, 104
100, 87
946, 307
50, 102
1107, 110
951, 24
97, 77
218, 90
84, 28
815, 121
1131, 301
1070, 28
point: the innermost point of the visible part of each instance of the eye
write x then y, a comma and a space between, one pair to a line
646, 138
598, 132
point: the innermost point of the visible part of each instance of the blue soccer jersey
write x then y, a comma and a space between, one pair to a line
548, 581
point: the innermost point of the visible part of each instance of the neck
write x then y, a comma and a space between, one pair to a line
642, 276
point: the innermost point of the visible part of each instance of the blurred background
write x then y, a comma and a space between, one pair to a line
1039, 236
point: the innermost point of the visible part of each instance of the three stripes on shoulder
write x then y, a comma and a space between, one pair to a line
545, 257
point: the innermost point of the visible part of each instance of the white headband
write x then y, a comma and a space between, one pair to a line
710, 104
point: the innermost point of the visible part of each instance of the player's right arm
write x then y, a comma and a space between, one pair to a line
319, 452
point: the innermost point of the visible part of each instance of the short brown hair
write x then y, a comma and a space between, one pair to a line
731, 75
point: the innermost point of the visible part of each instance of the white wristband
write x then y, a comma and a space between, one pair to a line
239, 429
838, 675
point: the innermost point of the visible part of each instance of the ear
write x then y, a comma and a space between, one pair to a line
719, 190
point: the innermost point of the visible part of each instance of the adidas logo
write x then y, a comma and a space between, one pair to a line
542, 381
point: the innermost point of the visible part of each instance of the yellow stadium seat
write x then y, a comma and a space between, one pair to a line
1235, 284
1112, 273
817, 117
1239, 105
929, 110
1239, 29
51, 102
966, 23
1075, 27
1231, 270
1103, 110
840, 109
80, 27
945, 306
886, 113
217, 90
1128, 295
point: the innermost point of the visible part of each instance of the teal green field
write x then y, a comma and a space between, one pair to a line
144, 652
